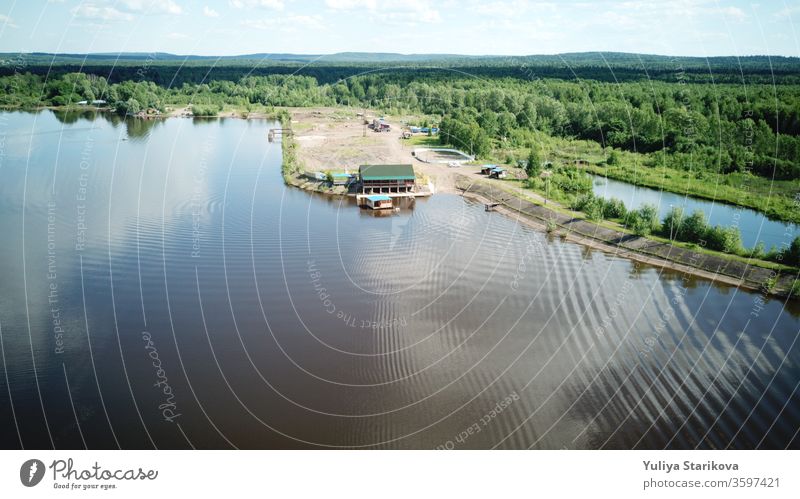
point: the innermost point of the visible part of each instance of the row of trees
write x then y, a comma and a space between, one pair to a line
678, 226
721, 128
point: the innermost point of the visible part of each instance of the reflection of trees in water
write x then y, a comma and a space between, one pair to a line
136, 128
202, 120
139, 128
73, 116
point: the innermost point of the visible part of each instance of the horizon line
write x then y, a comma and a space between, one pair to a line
411, 54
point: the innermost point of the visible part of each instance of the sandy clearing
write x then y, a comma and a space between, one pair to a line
335, 138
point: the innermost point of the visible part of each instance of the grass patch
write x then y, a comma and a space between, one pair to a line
423, 140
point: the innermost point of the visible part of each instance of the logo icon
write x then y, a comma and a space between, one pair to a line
31, 472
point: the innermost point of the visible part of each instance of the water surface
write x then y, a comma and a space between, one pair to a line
754, 226
161, 287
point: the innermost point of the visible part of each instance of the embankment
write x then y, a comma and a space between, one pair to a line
656, 253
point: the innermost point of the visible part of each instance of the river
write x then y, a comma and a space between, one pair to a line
754, 226
161, 287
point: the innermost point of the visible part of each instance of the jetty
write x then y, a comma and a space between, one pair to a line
274, 132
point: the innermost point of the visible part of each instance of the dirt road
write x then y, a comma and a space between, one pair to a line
336, 139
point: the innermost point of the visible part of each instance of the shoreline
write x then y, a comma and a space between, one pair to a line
662, 255
714, 268
176, 112
695, 262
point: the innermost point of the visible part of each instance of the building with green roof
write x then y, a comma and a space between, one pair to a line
387, 179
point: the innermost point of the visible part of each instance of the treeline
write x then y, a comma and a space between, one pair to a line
172, 70
718, 128
29, 91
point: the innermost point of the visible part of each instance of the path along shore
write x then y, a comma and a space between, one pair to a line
655, 253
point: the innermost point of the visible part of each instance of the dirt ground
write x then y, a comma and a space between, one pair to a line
336, 139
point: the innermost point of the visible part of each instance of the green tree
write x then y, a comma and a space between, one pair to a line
694, 227
791, 255
644, 221
671, 226
534, 166
132, 106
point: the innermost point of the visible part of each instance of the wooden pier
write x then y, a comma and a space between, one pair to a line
278, 131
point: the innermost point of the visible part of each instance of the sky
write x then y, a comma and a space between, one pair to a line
497, 27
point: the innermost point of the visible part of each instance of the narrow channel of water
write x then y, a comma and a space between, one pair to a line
753, 225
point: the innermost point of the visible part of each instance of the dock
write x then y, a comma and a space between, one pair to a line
361, 198
273, 132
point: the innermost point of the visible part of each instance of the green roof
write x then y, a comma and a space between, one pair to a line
386, 172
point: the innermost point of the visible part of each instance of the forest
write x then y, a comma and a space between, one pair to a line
683, 123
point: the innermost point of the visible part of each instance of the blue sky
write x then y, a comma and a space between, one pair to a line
514, 27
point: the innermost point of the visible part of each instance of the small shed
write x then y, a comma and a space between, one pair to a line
378, 202
487, 169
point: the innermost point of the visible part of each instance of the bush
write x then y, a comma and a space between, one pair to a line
794, 292
791, 255
726, 239
597, 208
671, 225
694, 227
571, 180
594, 209
643, 221
758, 252
614, 208
581, 202
206, 110
534, 167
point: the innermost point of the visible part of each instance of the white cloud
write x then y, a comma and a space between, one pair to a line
787, 13
266, 4
286, 23
100, 13
271, 4
7, 22
308, 21
391, 11
351, 4
177, 36
510, 8
208, 12
153, 6
735, 13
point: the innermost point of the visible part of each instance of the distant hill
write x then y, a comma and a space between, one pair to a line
170, 69
581, 58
